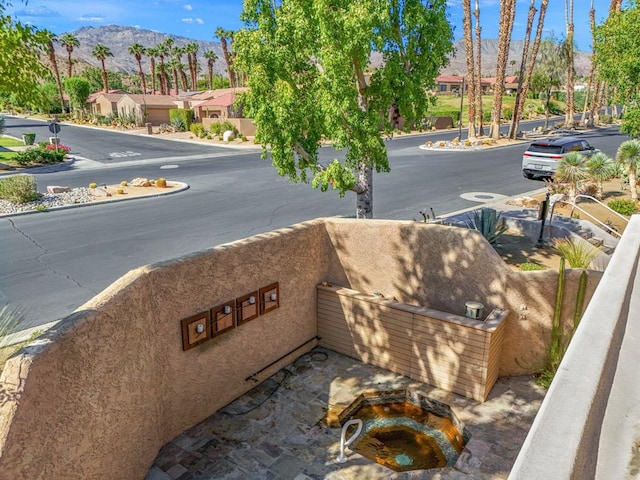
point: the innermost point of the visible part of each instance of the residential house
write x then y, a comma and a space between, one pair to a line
450, 84
152, 109
102, 104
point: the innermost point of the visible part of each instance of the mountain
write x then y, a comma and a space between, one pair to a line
118, 39
489, 50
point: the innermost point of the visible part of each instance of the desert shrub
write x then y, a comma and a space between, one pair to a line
623, 207
166, 128
161, 183
486, 116
182, 114
178, 125
530, 266
556, 187
219, 128
19, 188
606, 119
507, 113
488, 222
555, 109
578, 253
198, 130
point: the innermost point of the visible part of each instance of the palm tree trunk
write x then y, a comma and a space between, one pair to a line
143, 81
175, 81
105, 80
153, 75
633, 187
225, 53
524, 89
183, 79
468, 47
570, 73
507, 15
56, 72
478, 82
211, 76
517, 105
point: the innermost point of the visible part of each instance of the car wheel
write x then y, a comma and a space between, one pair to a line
528, 176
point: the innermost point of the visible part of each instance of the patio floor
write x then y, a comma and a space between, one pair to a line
278, 430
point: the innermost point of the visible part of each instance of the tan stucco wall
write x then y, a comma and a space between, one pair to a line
98, 395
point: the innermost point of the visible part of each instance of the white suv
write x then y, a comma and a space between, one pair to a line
543, 156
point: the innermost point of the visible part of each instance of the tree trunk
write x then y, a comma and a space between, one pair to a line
364, 195
211, 76
69, 62
105, 80
143, 81
183, 79
478, 82
507, 14
227, 60
517, 105
633, 188
153, 75
175, 81
568, 121
468, 47
56, 72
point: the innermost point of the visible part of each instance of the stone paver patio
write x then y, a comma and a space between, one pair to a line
278, 430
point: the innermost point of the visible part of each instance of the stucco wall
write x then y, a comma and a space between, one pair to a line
99, 394
442, 267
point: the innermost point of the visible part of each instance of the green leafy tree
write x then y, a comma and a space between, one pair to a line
51, 52
21, 68
78, 89
69, 42
548, 73
94, 75
572, 170
628, 156
307, 65
137, 50
50, 93
631, 120
617, 51
101, 52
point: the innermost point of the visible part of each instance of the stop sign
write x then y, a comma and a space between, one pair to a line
54, 127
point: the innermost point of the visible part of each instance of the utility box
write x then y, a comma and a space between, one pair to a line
149, 128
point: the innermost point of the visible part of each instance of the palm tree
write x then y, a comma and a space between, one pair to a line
600, 169
137, 50
211, 57
223, 34
471, 78
572, 170
69, 41
152, 53
51, 51
507, 16
161, 51
174, 64
192, 54
628, 156
101, 52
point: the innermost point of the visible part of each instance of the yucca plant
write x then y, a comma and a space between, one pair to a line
600, 168
488, 222
571, 170
578, 253
628, 155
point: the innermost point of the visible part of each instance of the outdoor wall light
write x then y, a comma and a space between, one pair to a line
223, 318
200, 328
273, 297
227, 309
246, 308
269, 298
195, 329
252, 300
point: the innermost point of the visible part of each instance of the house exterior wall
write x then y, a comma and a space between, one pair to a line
113, 382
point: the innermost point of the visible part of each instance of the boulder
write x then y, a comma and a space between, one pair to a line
58, 189
140, 182
99, 192
227, 136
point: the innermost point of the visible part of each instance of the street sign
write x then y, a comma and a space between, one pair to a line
54, 127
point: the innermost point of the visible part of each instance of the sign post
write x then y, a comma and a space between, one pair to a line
54, 127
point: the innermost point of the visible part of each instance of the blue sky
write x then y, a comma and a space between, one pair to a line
198, 19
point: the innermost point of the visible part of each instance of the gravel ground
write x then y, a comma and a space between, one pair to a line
46, 200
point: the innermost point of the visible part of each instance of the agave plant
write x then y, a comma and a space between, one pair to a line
572, 170
578, 253
488, 222
600, 168
10, 320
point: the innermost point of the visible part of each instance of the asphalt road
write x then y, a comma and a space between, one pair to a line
52, 262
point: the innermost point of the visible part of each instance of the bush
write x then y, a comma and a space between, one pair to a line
606, 119
1, 125
578, 253
44, 153
507, 113
178, 125
198, 130
530, 266
554, 108
182, 114
623, 207
19, 188
220, 127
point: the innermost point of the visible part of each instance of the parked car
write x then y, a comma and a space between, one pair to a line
543, 156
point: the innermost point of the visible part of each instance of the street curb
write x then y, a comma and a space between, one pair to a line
44, 169
181, 186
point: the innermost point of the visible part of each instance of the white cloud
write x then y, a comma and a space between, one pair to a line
39, 11
187, 20
199, 21
90, 18
188, 7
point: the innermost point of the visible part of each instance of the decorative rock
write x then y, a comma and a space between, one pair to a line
99, 193
227, 136
58, 189
476, 142
139, 182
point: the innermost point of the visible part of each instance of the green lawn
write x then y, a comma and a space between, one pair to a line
10, 142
